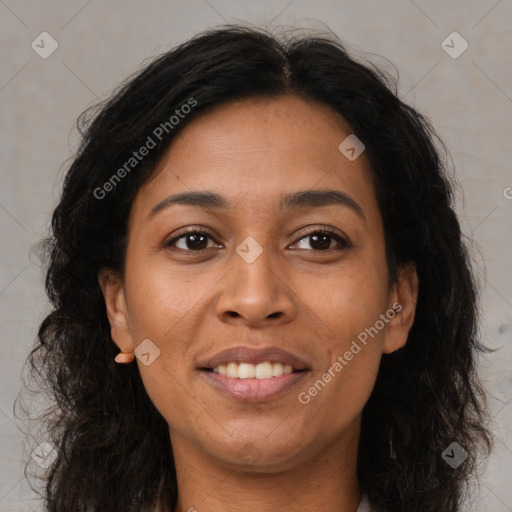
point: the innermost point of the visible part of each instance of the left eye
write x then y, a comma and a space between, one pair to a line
320, 240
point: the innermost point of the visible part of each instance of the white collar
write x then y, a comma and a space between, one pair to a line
364, 504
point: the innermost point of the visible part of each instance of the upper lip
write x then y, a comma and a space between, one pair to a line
250, 355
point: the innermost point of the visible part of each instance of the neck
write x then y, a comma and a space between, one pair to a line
325, 481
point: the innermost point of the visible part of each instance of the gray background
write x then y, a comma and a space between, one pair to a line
468, 100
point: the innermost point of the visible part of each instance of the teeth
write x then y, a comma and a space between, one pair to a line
277, 370
232, 370
264, 370
246, 371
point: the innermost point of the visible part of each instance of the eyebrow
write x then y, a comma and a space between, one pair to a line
301, 199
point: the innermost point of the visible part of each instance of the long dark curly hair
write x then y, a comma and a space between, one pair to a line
113, 451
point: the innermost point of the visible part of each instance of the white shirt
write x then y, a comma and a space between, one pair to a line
364, 505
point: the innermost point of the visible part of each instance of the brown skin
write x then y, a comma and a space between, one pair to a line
252, 152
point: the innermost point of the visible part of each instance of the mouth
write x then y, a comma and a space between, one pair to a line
243, 361
252, 389
251, 375
265, 370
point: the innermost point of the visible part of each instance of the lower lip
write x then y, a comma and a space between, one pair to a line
254, 390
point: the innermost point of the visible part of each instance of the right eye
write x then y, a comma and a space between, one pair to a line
192, 241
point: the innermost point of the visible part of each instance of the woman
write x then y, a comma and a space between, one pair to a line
261, 299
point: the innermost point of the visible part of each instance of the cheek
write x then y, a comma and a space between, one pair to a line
342, 387
166, 387
350, 299
351, 307
159, 296
166, 307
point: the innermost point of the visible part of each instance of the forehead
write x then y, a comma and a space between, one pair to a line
258, 149
260, 125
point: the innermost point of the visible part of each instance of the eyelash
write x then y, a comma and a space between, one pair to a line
343, 242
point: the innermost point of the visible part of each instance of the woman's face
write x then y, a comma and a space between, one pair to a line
267, 175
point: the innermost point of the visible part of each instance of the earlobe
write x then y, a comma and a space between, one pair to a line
111, 285
405, 293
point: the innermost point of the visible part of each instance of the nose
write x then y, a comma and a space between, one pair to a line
256, 294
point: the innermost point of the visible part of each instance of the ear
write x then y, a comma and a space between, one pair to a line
404, 294
111, 285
